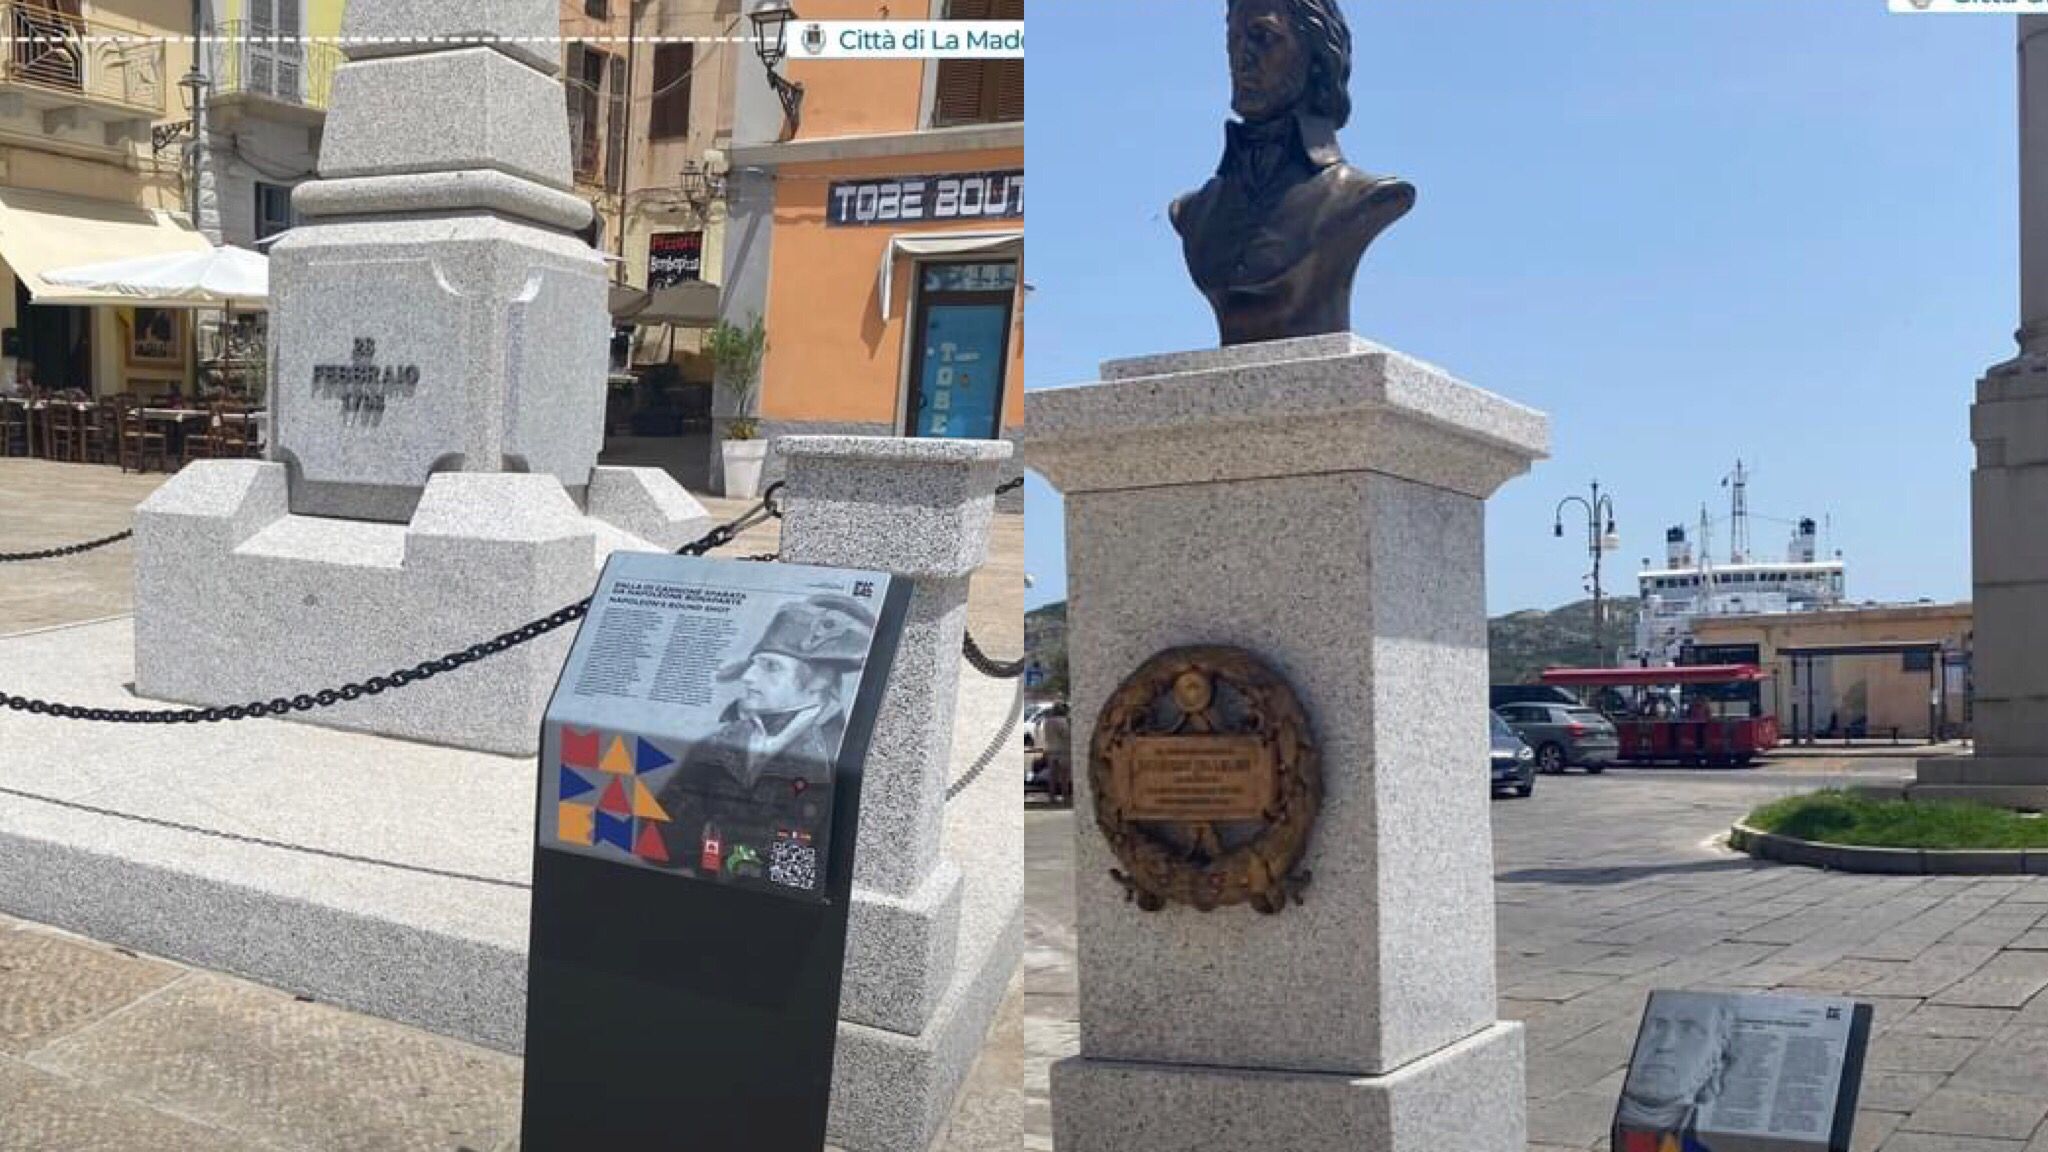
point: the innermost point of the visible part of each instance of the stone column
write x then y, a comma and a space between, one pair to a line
920, 510
1318, 502
2033, 121
2009, 509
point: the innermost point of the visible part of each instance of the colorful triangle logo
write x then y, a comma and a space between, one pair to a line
579, 748
574, 785
615, 831
650, 846
616, 760
647, 758
644, 805
573, 824
614, 800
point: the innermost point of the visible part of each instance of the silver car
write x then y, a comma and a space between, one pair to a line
1563, 735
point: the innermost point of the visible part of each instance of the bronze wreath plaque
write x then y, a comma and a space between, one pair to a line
1206, 782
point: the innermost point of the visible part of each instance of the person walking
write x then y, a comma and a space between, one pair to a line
1057, 738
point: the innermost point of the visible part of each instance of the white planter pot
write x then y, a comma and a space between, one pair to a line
743, 462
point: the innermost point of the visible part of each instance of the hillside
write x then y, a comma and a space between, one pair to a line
1522, 644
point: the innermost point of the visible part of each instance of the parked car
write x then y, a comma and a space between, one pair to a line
1037, 766
1564, 736
1500, 694
1034, 715
1514, 765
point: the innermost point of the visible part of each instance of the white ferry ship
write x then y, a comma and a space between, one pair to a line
1690, 586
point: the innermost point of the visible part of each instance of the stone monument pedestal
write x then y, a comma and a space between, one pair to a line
934, 930
1319, 503
2009, 562
236, 599
436, 409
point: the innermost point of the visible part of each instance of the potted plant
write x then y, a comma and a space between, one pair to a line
737, 354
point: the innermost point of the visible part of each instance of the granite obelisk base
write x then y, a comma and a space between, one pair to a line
237, 600
2008, 766
1319, 503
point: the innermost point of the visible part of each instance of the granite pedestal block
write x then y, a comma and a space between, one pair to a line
1317, 502
437, 312
485, 320
2009, 536
439, 193
468, 108
238, 600
1467, 1096
931, 939
528, 32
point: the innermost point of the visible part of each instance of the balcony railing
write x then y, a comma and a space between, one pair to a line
251, 60
55, 51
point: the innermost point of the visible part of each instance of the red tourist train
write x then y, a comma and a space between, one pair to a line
1714, 716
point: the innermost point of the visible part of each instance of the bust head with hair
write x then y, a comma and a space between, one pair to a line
1289, 55
1687, 1045
1275, 238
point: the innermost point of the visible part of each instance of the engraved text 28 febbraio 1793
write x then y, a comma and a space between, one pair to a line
363, 385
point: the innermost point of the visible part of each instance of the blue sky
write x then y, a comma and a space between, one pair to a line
1781, 230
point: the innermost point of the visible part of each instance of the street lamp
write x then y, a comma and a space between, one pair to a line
1601, 538
699, 185
191, 92
771, 44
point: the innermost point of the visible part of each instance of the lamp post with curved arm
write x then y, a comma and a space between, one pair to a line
1600, 538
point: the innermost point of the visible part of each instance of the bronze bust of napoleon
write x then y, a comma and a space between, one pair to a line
1274, 238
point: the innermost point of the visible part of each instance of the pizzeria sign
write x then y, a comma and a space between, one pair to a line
997, 195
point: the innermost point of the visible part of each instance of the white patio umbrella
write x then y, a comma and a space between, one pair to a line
227, 277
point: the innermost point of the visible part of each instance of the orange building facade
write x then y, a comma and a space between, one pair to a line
878, 233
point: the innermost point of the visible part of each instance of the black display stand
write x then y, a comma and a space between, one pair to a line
667, 1012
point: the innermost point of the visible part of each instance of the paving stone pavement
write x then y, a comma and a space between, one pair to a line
1610, 886
102, 1050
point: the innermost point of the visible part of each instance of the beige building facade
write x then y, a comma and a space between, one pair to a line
1865, 671
82, 87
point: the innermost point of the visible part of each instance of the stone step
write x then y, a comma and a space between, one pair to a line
391, 877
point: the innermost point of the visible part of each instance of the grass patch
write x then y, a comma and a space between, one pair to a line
1846, 818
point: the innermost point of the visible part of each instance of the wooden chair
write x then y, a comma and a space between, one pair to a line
63, 431
13, 426
103, 431
240, 437
137, 442
203, 439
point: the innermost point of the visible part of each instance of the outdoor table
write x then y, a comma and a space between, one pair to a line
174, 421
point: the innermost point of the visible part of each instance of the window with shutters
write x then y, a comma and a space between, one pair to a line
273, 209
980, 91
615, 124
584, 89
273, 54
671, 95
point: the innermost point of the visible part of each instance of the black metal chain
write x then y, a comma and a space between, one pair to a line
997, 670
724, 534
67, 550
1010, 485
377, 685
994, 749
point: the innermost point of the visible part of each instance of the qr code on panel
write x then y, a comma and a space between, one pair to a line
793, 862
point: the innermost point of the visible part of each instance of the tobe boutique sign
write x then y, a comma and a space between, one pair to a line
926, 199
